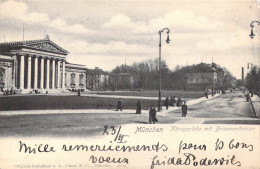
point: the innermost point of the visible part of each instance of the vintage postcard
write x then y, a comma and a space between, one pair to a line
129, 84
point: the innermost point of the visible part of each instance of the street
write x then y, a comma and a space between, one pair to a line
230, 108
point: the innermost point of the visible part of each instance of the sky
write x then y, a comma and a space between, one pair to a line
105, 33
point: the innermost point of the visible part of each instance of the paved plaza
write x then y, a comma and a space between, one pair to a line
230, 108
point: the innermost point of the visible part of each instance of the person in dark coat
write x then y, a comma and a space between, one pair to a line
171, 101
206, 95
247, 97
152, 115
179, 102
119, 105
138, 107
167, 103
184, 109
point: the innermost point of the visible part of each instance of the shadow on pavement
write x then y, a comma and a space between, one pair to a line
142, 122
252, 122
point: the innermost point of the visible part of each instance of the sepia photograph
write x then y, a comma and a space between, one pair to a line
132, 72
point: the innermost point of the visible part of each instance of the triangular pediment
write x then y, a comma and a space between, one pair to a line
42, 45
47, 46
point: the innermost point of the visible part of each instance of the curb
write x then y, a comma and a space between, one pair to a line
254, 108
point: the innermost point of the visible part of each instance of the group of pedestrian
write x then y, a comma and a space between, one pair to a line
172, 102
213, 92
8, 92
36, 91
120, 106
152, 111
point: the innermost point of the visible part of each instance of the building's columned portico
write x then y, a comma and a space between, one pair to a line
51, 73
38, 64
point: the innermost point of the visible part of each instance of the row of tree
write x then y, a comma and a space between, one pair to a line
146, 75
252, 80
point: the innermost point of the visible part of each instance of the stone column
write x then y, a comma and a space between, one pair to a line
42, 73
14, 71
36, 72
8, 77
22, 72
58, 74
63, 74
48, 73
53, 75
29, 74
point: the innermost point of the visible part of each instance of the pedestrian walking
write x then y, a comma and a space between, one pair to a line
206, 95
179, 102
171, 101
152, 115
119, 105
184, 109
138, 107
78, 92
166, 103
247, 97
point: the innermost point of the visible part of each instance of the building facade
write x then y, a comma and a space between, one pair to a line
34, 65
97, 79
75, 76
202, 76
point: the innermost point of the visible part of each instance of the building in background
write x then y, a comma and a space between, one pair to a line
97, 79
204, 76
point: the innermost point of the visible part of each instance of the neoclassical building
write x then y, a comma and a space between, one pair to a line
38, 64
41, 65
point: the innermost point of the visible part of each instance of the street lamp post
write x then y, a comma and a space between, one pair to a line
160, 74
252, 27
212, 91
